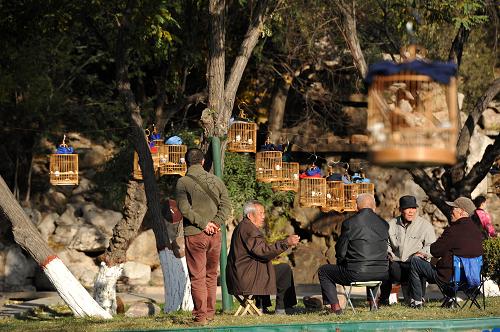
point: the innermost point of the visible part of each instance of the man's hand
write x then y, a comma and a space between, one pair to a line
211, 228
292, 240
421, 255
390, 257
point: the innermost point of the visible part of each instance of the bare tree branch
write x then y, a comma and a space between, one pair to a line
430, 186
457, 46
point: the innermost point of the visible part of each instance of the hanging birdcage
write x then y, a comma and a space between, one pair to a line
290, 181
268, 166
366, 188
334, 196
312, 192
137, 173
350, 195
64, 166
412, 113
171, 159
242, 137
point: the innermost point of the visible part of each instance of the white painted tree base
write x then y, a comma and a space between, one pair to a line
72, 292
105, 286
176, 282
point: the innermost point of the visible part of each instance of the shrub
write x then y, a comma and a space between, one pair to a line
491, 257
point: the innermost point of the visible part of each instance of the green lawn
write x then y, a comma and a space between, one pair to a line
60, 319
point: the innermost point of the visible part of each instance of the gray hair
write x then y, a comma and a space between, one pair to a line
365, 201
250, 207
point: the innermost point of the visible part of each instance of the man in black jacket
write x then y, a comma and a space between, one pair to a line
361, 252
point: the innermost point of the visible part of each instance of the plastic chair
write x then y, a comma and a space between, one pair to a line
468, 278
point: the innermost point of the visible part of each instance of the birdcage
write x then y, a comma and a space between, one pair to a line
312, 192
290, 181
412, 113
268, 166
242, 137
495, 183
334, 196
350, 195
137, 172
64, 166
171, 159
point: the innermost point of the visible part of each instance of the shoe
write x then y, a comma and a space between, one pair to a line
330, 311
417, 306
199, 322
210, 319
280, 312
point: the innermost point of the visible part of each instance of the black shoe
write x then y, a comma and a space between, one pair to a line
417, 306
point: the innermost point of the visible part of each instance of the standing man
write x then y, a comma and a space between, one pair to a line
409, 235
250, 270
361, 252
204, 203
461, 238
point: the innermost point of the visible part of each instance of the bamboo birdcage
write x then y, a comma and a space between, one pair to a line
366, 188
290, 181
137, 172
242, 137
269, 166
412, 118
312, 192
334, 196
171, 159
64, 167
350, 195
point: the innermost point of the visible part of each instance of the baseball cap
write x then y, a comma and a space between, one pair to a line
463, 203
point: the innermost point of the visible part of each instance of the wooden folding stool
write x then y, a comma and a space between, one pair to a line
247, 306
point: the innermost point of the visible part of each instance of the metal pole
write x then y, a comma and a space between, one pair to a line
227, 300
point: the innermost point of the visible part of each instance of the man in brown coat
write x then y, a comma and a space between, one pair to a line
249, 268
462, 238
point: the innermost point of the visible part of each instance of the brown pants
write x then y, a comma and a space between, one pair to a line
202, 257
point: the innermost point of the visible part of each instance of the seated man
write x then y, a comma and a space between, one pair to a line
249, 268
361, 252
462, 238
409, 235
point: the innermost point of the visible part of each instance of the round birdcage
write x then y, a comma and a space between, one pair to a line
334, 196
64, 166
290, 181
171, 159
412, 113
269, 166
312, 192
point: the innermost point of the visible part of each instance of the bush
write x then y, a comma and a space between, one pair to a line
491, 257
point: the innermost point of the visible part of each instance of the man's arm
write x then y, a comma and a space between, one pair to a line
342, 244
260, 249
181, 196
224, 208
429, 238
442, 245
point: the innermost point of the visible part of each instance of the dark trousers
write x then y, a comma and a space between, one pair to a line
399, 272
202, 258
331, 275
285, 287
419, 269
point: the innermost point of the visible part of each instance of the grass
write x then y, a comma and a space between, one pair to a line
60, 318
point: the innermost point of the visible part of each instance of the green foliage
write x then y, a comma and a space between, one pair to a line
239, 177
491, 257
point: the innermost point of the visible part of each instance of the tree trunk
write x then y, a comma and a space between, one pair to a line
105, 286
29, 238
277, 112
176, 281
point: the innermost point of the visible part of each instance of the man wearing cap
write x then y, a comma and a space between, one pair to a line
409, 235
462, 238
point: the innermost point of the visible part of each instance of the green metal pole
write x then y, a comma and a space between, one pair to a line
227, 300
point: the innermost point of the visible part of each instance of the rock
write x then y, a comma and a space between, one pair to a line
65, 233
48, 225
105, 220
137, 273
490, 119
308, 258
89, 238
94, 156
34, 215
328, 224
42, 282
143, 309
84, 186
143, 249
56, 200
157, 277
19, 270
69, 217
330, 255
82, 266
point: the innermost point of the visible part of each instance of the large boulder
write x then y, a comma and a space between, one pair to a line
48, 225
136, 273
308, 257
143, 249
18, 270
105, 220
89, 238
83, 267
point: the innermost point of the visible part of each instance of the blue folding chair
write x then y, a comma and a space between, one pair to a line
468, 278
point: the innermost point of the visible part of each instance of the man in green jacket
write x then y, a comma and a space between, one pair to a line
204, 203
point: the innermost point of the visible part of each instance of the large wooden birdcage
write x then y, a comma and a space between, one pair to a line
242, 137
312, 192
366, 188
290, 178
334, 196
63, 169
268, 166
171, 159
412, 114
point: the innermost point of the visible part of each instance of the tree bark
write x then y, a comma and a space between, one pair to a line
457, 47
277, 111
29, 238
176, 281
